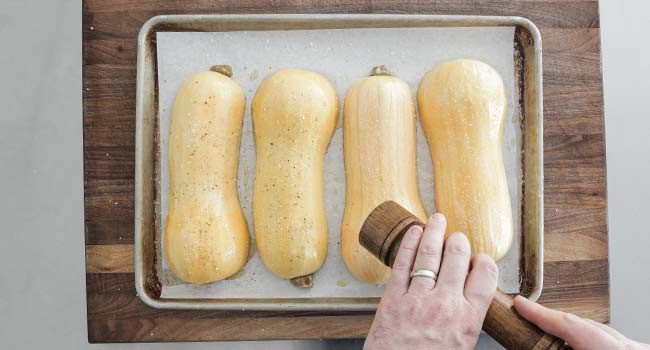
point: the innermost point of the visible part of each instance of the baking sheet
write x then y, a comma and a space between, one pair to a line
341, 55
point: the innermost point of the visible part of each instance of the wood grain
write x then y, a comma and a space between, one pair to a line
107, 231
112, 258
580, 287
123, 18
576, 266
228, 328
575, 234
514, 332
576, 40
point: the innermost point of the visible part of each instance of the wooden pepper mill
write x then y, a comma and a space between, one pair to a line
382, 234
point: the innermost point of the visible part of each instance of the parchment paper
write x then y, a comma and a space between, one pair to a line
341, 55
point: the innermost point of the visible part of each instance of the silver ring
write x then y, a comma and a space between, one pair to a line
424, 273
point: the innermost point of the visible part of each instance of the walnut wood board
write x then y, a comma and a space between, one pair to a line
576, 270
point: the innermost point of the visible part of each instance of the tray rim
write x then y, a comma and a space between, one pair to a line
407, 20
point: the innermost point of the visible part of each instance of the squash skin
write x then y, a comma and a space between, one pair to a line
379, 142
294, 118
206, 236
462, 107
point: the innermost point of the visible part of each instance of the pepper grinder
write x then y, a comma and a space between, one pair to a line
382, 233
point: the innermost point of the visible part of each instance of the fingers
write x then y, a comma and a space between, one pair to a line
611, 331
455, 263
481, 282
551, 321
571, 328
398, 283
429, 253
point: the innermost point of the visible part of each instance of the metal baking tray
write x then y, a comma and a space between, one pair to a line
528, 86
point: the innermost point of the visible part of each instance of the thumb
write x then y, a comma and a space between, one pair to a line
576, 331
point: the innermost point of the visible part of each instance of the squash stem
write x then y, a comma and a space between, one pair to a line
306, 281
380, 70
224, 69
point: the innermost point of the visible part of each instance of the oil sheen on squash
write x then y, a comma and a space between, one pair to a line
462, 107
379, 141
294, 117
206, 236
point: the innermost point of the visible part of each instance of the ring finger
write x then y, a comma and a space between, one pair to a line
429, 253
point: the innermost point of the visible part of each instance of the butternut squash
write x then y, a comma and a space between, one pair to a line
206, 235
462, 107
379, 142
294, 117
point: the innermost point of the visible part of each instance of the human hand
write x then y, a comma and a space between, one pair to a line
579, 333
422, 313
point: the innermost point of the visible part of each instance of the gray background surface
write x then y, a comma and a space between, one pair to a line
41, 178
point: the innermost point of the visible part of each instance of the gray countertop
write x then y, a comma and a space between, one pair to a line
41, 178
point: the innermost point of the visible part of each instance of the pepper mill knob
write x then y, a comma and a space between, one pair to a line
382, 232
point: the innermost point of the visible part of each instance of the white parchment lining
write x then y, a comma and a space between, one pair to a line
341, 55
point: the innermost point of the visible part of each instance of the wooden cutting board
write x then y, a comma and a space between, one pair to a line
576, 262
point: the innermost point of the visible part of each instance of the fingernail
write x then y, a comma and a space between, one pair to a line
458, 243
522, 299
415, 229
460, 235
437, 218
